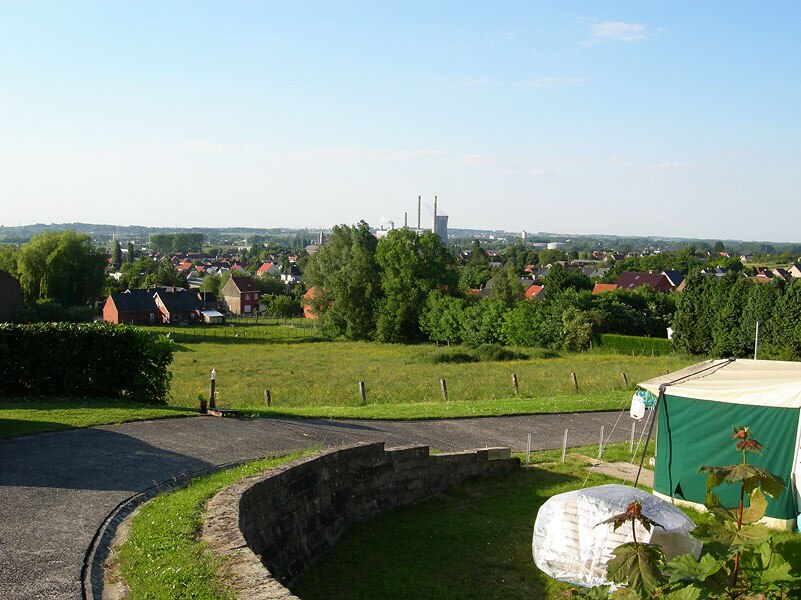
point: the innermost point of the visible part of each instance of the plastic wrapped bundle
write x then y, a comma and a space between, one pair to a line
568, 546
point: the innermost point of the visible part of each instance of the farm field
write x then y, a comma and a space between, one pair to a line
311, 378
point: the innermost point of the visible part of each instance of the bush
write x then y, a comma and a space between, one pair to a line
92, 360
495, 353
453, 357
630, 344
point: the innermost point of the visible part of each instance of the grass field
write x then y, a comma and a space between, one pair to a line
322, 379
311, 378
25, 418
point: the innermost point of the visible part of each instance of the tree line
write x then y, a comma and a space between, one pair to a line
408, 288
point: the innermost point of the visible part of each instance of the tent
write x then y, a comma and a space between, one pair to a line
695, 416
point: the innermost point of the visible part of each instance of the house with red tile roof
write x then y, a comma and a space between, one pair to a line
603, 287
240, 296
268, 268
535, 292
631, 280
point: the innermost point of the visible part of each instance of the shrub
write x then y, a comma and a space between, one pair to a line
453, 357
94, 360
494, 352
630, 344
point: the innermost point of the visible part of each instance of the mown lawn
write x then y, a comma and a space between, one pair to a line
25, 418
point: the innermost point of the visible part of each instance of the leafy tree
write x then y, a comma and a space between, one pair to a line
411, 266
692, 323
577, 330
116, 255
520, 257
506, 286
483, 322
62, 266
8, 259
131, 253
532, 324
345, 275
726, 335
281, 305
442, 318
786, 334
758, 308
474, 276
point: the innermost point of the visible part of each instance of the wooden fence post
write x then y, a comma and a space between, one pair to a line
625, 380
363, 393
267, 398
514, 383
444, 389
574, 380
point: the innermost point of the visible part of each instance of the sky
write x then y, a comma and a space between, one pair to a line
676, 118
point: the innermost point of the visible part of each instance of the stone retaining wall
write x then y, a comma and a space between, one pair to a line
291, 515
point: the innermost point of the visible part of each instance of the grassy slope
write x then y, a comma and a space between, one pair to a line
162, 557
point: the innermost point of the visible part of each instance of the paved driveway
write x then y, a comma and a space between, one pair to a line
57, 488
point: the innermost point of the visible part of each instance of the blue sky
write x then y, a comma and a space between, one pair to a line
631, 118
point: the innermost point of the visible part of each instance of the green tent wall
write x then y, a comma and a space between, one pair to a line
693, 431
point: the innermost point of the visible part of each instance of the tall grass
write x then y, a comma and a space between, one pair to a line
301, 377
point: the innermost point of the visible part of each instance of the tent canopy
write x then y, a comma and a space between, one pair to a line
753, 382
696, 414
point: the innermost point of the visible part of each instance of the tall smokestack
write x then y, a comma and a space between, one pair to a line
434, 225
405, 220
419, 202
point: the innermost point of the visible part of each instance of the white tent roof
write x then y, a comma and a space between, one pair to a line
756, 382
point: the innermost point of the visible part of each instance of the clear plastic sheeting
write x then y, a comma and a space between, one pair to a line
568, 546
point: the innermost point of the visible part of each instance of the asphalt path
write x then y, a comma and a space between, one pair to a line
56, 489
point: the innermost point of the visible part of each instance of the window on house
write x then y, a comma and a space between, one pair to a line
247, 296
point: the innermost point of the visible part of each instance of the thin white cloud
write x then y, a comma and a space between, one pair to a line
543, 82
615, 31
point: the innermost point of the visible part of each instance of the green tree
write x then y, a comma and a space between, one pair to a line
762, 299
726, 335
532, 324
474, 275
506, 286
442, 318
577, 330
786, 335
411, 266
482, 322
61, 266
8, 259
116, 255
345, 275
131, 253
692, 323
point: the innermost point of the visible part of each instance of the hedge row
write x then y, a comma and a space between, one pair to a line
631, 344
84, 360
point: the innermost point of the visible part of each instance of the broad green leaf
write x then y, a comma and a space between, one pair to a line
639, 566
600, 592
750, 535
689, 592
756, 510
749, 475
714, 505
685, 568
775, 568
791, 551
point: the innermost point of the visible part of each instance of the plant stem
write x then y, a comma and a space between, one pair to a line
736, 569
